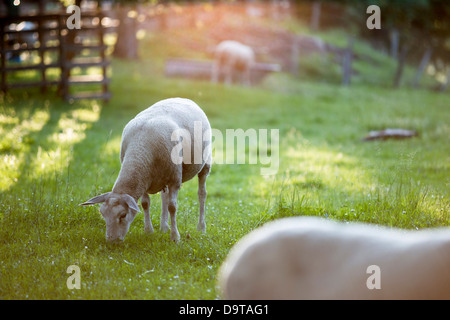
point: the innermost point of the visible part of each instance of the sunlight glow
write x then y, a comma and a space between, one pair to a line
19, 134
16, 140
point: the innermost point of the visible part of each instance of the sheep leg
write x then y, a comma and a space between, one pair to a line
215, 72
228, 70
145, 202
202, 197
246, 78
164, 211
172, 206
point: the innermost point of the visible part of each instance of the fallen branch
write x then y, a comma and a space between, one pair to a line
390, 134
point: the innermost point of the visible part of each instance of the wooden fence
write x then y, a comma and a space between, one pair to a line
68, 52
201, 69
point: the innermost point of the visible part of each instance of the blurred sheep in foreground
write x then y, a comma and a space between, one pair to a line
313, 258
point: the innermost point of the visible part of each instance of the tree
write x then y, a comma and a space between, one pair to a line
433, 27
403, 23
315, 15
126, 46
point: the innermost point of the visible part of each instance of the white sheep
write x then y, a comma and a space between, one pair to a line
232, 58
313, 258
149, 147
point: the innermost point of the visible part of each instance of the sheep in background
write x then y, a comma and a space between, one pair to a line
312, 258
149, 142
232, 58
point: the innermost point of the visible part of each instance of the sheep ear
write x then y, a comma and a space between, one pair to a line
131, 202
98, 199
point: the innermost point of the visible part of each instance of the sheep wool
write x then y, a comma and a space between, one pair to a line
170, 127
314, 258
232, 58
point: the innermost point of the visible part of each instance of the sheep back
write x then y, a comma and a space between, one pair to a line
312, 258
230, 51
147, 143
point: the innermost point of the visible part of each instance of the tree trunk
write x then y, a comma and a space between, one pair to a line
347, 62
295, 56
400, 65
423, 63
274, 10
445, 85
394, 37
315, 15
127, 44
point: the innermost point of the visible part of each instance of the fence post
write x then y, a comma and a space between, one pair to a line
347, 62
42, 55
423, 63
295, 56
62, 58
3, 56
102, 51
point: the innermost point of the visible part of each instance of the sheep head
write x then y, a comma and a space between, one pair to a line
118, 210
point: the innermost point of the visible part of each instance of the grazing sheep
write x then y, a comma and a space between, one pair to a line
312, 258
148, 154
232, 57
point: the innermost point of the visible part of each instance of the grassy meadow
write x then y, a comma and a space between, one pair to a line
55, 155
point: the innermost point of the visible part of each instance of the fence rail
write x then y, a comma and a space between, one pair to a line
201, 69
48, 33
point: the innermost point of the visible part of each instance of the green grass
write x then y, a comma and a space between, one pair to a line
55, 155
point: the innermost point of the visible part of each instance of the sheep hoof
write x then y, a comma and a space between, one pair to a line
164, 228
201, 228
148, 230
175, 236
